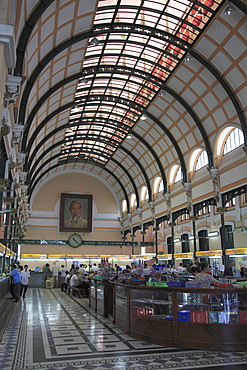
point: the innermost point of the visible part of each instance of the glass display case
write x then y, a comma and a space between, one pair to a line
157, 304
121, 307
215, 318
92, 294
101, 296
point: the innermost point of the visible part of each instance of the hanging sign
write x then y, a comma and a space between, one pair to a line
216, 252
183, 255
236, 251
164, 256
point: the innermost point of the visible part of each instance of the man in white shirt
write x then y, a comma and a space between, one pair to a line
94, 268
81, 268
73, 279
25, 276
181, 268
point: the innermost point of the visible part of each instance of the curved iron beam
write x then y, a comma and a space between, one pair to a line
96, 152
83, 161
27, 31
108, 142
59, 110
30, 170
140, 29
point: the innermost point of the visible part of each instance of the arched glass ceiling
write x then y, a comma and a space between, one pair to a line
138, 44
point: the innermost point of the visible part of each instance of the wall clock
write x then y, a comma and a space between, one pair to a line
75, 240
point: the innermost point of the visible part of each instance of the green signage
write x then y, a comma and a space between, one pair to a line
84, 242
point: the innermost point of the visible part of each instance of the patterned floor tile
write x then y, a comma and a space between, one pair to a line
52, 331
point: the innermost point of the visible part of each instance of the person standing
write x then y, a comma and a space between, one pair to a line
229, 270
16, 283
25, 276
46, 273
54, 271
63, 274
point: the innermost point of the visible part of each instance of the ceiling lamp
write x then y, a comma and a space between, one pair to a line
94, 42
129, 136
162, 93
143, 117
188, 58
230, 9
84, 81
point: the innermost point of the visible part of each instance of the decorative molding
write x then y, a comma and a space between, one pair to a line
12, 90
4, 129
193, 218
221, 210
172, 224
8, 40
8, 200
4, 183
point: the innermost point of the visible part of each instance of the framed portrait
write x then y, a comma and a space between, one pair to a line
76, 212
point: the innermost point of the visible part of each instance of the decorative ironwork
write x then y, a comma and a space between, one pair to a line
4, 183
5, 129
8, 200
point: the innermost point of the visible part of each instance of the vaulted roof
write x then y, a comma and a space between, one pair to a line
94, 68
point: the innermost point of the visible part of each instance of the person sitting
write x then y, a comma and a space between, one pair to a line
65, 284
204, 276
82, 282
73, 279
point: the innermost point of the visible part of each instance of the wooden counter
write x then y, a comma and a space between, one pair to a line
199, 318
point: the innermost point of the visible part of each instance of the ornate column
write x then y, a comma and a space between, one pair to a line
172, 225
120, 219
12, 90
155, 228
139, 212
193, 219
187, 189
131, 233
215, 180
167, 197
222, 211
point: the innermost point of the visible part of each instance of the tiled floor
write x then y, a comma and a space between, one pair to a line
50, 330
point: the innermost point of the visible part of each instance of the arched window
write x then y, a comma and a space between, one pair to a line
124, 206
133, 200
156, 185
234, 140
174, 174
202, 160
161, 186
178, 176
144, 193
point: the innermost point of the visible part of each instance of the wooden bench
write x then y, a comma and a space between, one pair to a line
79, 291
